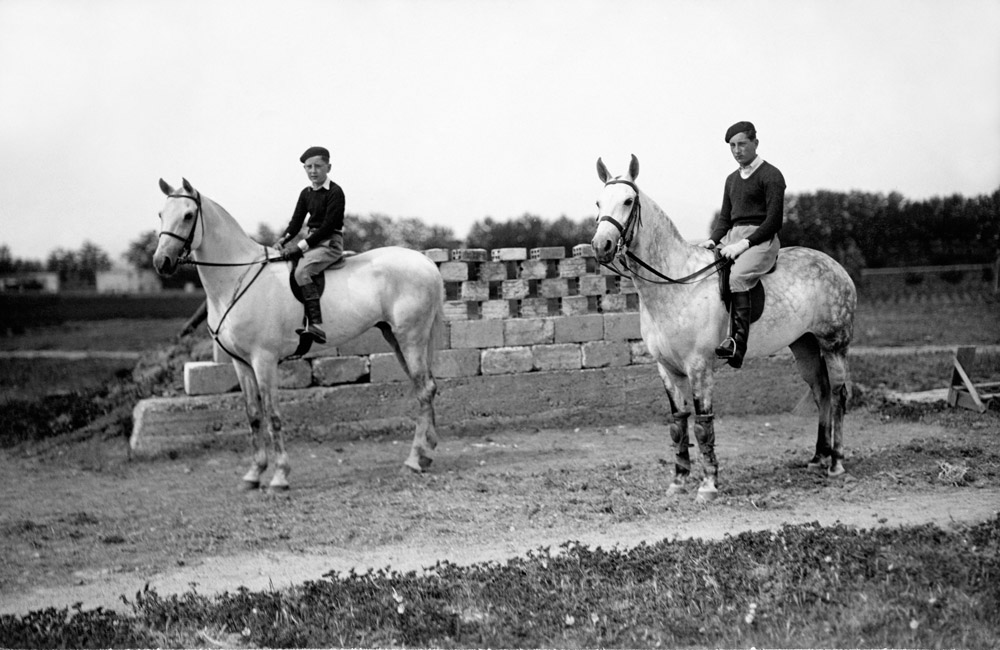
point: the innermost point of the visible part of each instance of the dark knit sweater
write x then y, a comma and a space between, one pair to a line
755, 201
325, 208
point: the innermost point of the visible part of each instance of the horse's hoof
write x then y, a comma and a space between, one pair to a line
676, 489
280, 487
818, 463
706, 494
250, 486
420, 464
836, 470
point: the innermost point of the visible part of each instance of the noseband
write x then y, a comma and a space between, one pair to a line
190, 236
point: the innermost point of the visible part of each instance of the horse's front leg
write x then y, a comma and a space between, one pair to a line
677, 423
267, 377
703, 382
251, 398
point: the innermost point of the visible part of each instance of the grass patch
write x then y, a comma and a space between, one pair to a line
801, 586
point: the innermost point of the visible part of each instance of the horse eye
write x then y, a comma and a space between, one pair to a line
188, 216
628, 201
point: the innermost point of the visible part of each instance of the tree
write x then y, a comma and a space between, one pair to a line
11, 264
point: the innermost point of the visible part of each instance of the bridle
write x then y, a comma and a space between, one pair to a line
627, 232
198, 217
185, 256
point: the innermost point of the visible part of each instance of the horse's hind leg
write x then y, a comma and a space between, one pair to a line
415, 360
251, 398
813, 369
836, 365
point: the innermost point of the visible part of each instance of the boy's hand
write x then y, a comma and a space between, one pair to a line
291, 252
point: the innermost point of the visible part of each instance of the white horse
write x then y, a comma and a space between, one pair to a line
253, 314
810, 302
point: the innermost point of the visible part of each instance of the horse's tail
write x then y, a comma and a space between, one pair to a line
436, 340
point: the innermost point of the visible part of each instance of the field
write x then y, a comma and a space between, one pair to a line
84, 523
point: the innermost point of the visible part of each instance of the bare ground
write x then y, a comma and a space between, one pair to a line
83, 523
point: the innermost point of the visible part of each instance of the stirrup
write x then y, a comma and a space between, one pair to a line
314, 331
727, 349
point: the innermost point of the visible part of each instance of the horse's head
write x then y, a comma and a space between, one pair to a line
617, 210
179, 232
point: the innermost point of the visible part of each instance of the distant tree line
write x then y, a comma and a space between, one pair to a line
861, 230
864, 230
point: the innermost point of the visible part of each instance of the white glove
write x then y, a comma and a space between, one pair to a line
736, 249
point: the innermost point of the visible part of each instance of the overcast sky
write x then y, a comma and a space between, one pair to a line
454, 110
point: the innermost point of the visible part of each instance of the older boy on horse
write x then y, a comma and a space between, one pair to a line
747, 228
323, 245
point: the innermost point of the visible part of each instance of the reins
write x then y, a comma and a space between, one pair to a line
627, 231
185, 259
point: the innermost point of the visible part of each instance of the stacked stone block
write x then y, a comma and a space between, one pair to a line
507, 310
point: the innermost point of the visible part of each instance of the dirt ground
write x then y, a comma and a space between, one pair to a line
82, 523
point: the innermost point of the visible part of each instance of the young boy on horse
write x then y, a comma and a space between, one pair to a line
323, 244
747, 228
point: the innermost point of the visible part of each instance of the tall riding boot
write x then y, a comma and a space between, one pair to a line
310, 295
734, 348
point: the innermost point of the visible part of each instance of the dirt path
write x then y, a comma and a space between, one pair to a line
84, 524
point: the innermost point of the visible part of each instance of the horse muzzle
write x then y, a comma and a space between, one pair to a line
165, 265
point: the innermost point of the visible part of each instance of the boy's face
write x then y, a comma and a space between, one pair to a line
744, 149
317, 170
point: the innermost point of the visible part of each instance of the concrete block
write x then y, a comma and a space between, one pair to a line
455, 271
613, 302
606, 354
456, 363
505, 361
622, 326
598, 285
555, 288
573, 267
497, 271
469, 255
475, 290
576, 305
538, 269
209, 378
509, 254
583, 250
578, 329
515, 289
295, 374
384, 368
528, 331
460, 310
438, 254
547, 253
368, 342
499, 309
539, 307
330, 371
561, 356
477, 334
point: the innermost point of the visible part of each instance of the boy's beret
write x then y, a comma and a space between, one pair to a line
740, 127
315, 151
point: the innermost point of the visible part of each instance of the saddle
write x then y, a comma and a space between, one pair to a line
318, 280
305, 341
757, 295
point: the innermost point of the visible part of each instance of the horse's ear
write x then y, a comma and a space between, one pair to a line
633, 168
187, 186
602, 171
165, 187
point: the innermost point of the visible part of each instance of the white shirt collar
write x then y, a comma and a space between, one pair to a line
325, 185
745, 172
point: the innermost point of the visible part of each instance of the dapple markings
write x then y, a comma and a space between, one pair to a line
810, 309
253, 314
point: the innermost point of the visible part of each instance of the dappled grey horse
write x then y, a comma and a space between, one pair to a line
810, 303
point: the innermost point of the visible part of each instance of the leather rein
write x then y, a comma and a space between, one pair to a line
624, 255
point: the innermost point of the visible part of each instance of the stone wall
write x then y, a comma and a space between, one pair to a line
507, 311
